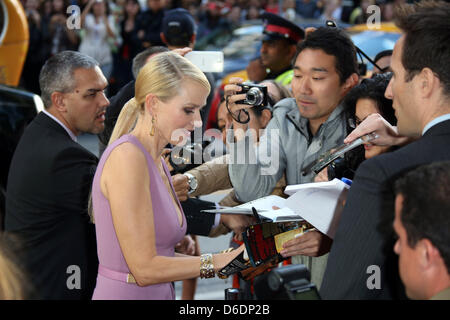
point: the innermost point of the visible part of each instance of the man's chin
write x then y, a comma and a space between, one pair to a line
97, 129
264, 63
307, 112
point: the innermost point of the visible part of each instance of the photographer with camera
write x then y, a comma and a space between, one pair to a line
301, 129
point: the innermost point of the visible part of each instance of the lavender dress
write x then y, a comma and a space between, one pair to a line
167, 234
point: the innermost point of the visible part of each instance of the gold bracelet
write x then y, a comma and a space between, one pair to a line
206, 266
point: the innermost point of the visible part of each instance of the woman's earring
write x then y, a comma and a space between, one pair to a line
152, 130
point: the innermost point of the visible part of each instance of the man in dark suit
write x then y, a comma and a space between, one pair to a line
362, 263
50, 180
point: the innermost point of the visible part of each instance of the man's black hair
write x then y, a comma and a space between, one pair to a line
334, 42
426, 26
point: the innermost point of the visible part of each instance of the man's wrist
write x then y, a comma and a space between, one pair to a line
192, 181
223, 218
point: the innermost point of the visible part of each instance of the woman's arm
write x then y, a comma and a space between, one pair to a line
85, 12
125, 183
72, 36
109, 28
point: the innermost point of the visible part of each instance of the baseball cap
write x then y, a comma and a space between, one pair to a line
178, 26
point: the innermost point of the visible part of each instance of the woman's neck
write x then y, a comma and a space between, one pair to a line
153, 144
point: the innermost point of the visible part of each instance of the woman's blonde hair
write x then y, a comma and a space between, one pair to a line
12, 278
162, 76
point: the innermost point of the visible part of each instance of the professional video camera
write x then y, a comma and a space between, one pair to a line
286, 283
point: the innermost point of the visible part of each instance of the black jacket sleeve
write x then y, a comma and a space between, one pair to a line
199, 223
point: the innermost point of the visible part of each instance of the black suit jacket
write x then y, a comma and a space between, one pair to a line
46, 206
199, 223
365, 235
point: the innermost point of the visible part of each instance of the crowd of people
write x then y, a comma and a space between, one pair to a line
113, 32
119, 227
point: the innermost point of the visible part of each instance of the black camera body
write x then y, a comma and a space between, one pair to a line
339, 169
256, 95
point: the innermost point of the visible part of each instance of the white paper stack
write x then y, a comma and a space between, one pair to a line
319, 203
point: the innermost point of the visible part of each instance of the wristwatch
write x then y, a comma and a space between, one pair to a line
192, 182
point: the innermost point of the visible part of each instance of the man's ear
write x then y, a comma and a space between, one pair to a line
58, 101
292, 51
350, 82
193, 39
163, 38
427, 81
429, 255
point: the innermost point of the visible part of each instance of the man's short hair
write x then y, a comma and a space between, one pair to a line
57, 73
141, 58
334, 42
426, 206
426, 25
178, 26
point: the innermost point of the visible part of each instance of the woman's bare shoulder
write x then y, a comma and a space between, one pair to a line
126, 155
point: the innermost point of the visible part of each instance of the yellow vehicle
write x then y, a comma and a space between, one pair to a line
14, 37
383, 27
17, 107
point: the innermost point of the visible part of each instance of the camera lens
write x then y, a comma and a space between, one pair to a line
254, 96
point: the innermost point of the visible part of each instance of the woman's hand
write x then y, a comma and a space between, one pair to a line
322, 176
186, 246
166, 155
220, 260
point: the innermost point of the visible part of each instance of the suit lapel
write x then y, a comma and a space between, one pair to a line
441, 128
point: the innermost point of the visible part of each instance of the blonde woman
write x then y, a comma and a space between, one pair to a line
138, 217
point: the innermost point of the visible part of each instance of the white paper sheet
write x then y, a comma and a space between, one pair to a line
320, 204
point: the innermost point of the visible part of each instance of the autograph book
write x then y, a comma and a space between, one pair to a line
263, 243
